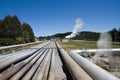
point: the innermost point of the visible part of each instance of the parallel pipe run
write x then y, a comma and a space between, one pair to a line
19, 45
12, 70
19, 53
93, 70
15, 59
31, 72
19, 61
49, 62
18, 75
52, 65
76, 72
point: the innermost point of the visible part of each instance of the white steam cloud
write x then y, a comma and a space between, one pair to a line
79, 24
104, 41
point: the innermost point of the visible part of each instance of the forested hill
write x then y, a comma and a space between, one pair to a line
12, 31
86, 35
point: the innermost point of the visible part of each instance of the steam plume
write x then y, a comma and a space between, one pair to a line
105, 41
79, 24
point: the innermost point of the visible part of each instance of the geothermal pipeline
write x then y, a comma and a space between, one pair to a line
46, 61
42, 62
90, 68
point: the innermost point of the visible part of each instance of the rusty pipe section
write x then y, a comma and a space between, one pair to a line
76, 72
93, 70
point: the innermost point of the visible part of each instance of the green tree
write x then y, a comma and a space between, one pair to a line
115, 35
12, 26
13, 32
28, 33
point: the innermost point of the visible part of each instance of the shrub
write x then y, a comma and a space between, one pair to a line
7, 41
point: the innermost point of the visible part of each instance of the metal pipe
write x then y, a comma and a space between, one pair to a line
31, 72
44, 67
18, 57
19, 45
5, 75
19, 74
75, 70
51, 75
96, 50
93, 70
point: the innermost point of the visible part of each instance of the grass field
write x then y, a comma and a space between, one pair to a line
88, 45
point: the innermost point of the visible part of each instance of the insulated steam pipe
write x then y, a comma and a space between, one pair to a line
75, 70
91, 69
96, 50
19, 45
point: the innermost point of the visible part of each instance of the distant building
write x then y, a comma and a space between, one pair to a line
36, 39
65, 40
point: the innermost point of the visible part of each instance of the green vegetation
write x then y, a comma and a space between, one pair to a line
115, 34
88, 45
115, 45
78, 45
58, 35
13, 32
86, 35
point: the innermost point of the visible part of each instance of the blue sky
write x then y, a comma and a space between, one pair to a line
48, 17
